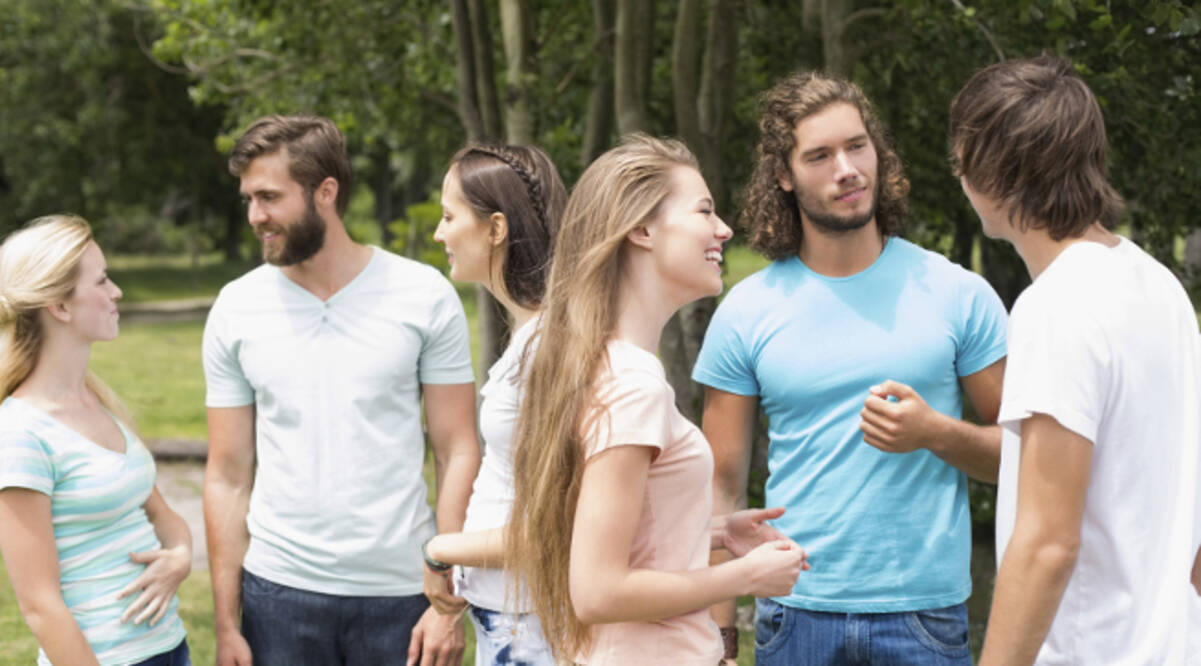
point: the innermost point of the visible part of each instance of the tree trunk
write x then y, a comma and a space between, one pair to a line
1192, 255
631, 64
382, 187
685, 74
485, 71
469, 107
834, 51
811, 15
517, 29
717, 77
598, 124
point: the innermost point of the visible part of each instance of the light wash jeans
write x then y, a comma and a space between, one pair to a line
504, 639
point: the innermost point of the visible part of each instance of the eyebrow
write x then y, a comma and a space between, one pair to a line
817, 149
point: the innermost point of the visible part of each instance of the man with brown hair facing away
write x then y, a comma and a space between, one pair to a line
1097, 510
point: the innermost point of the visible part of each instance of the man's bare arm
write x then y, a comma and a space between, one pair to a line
228, 479
1052, 483
728, 423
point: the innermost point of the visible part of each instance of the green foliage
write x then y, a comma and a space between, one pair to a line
414, 233
91, 126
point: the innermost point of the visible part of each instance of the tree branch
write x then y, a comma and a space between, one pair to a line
987, 35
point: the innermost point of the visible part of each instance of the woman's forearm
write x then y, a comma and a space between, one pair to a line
469, 549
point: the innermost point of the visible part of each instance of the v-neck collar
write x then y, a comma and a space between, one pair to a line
125, 434
337, 295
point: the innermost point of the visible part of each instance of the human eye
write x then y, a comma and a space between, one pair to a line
816, 157
858, 145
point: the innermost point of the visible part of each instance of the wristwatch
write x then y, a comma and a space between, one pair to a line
434, 565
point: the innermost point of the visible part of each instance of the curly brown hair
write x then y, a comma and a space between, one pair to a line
770, 213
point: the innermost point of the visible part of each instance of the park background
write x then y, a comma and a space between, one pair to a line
124, 111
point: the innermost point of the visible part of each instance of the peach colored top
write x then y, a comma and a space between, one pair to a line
673, 528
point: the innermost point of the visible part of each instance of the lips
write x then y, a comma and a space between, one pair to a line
852, 196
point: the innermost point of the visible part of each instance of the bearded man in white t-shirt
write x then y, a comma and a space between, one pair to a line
1097, 511
317, 364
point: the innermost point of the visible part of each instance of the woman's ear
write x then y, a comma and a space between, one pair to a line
640, 236
499, 231
60, 312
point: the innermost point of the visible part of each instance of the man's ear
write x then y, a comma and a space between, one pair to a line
499, 230
784, 178
640, 236
327, 192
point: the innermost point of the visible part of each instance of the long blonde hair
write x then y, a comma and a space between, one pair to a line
39, 266
622, 189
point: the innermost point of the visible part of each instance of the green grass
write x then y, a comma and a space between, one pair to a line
155, 368
154, 278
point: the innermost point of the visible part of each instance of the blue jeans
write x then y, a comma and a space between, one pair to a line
284, 625
786, 636
505, 639
179, 656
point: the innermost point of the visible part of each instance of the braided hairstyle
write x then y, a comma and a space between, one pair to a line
521, 183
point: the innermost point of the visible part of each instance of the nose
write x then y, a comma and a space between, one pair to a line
439, 237
117, 293
843, 167
723, 232
255, 213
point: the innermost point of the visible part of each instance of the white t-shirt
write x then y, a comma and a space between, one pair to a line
339, 503
1105, 341
492, 495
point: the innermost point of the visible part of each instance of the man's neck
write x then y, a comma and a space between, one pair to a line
1038, 250
333, 267
840, 254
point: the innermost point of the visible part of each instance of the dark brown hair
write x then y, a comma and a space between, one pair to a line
1029, 133
316, 151
522, 183
771, 214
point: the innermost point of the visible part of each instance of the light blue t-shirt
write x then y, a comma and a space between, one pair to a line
885, 532
96, 500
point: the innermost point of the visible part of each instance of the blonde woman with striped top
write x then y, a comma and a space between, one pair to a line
94, 554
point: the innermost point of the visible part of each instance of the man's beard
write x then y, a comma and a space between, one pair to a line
301, 240
832, 222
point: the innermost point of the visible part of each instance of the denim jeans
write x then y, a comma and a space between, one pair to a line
179, 656
786, 636
287, 626
505, 639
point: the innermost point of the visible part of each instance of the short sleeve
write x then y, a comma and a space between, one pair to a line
724, 361
634, 409
982, 320
225, 384
25, 462
1058, 365
446, 349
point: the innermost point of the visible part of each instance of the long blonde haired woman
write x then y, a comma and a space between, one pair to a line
94, 553
611, 526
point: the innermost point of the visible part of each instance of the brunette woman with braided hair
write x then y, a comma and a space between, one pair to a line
500, 209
